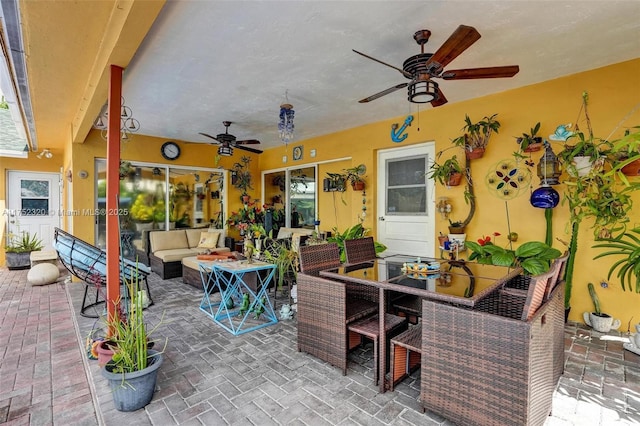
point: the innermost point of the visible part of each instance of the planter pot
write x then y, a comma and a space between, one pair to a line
458, 239
132, 391
105, 353
358, 186
442, 239
456, 229
532, 147
454, 179
144, 226
246, 198
600, 322
474, 153
17, 261
583, 166
632, 169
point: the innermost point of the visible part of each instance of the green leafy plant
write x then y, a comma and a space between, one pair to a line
23, 243
241, 177
627, 247
283, 256
128, 333
476, 135
354, 174
534, 256
441, 173
356, 231
531, 138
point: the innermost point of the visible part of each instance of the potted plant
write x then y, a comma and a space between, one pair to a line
133, 368
530, 142
626, 245
280, 253
336, 182
533, 256
354, 176
241, 177
18, 249
597, 320
626, 153
448, 173
476, 135
456, 227
578, 159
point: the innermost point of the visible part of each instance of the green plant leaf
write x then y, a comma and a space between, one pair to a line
534, 266
504, 258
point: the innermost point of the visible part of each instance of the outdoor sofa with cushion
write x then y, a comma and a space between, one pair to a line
168, 248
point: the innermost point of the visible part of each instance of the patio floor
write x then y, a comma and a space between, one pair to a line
213, 378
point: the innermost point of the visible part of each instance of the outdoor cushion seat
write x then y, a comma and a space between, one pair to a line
43, 273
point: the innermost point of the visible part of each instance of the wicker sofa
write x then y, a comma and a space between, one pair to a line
486, 366
168, 248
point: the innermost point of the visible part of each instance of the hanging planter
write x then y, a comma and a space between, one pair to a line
476, 136
474, 153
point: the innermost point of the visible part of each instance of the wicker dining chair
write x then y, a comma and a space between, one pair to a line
360, 249
319, 257
324, 312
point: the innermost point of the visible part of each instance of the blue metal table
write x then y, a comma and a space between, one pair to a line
241, 308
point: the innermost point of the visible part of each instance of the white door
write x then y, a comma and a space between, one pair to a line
34, 204
406, 202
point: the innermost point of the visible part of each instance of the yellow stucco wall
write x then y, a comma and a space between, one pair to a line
614, 92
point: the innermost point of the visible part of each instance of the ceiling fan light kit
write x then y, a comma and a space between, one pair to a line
228, 142
420, 69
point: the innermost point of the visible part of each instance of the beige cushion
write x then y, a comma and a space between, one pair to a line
209, 240
193, 262
43, 273
168, 240
175, 255
194, 235
288, 232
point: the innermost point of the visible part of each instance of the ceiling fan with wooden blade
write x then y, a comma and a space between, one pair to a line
422, 68
228, 141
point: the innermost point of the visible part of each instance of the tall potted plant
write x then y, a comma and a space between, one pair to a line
133, 369
18, 249
598, 320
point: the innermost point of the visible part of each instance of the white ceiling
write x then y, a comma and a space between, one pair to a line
204, 62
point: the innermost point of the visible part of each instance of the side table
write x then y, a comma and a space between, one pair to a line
240, 309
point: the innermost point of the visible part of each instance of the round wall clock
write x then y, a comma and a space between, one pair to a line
170, 150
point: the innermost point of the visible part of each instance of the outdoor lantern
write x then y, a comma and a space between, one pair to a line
549, 169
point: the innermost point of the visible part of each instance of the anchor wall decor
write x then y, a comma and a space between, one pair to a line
396, 133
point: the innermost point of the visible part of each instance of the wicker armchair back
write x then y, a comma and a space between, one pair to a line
360, 249
316, 258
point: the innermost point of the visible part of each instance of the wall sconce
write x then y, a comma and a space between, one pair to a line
549, 171
444, 207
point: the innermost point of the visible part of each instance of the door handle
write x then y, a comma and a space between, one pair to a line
381, 218
12, 221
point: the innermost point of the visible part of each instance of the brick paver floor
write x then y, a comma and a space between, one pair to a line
212, 378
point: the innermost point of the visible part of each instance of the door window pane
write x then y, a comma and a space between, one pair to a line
407, 186
34, 197
34, 188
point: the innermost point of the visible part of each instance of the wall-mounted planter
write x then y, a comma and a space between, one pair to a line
454, 179
474, 154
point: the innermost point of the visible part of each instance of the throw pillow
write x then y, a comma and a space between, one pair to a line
208, 240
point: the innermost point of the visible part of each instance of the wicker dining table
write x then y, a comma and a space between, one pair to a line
454, 282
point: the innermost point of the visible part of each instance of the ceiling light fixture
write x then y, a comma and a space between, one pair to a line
422, 90
225, 151
45, 153
128, 124
285, 125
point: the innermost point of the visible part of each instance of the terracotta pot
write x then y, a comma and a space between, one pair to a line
456, 229
632, 169
532, 147
474, 153
105, 353
454, 179
442, 239
358, 185
246, 198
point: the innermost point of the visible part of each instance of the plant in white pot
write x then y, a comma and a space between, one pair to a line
597, 320
133, 369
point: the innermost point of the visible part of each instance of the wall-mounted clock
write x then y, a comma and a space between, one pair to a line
170, 150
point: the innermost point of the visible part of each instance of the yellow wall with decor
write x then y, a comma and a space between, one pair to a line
614, 93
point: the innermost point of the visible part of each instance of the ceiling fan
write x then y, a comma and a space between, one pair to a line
422, 68
227, 142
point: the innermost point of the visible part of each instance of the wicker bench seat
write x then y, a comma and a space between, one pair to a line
406, 351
